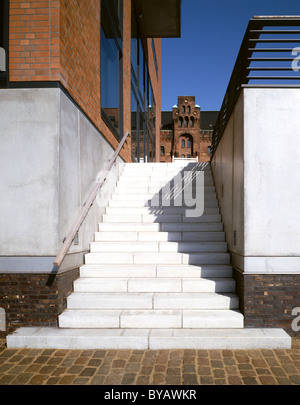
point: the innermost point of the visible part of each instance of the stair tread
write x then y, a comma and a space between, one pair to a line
153, 339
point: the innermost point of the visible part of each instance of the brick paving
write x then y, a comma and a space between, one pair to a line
150, 367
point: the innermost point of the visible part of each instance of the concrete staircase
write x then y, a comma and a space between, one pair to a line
155, 278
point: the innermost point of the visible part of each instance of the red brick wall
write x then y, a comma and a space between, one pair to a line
30, 300
80, 53
267, 300
34, 40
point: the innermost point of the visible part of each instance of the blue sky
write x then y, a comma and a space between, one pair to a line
200, 63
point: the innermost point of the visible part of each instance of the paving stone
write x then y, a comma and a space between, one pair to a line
295, 379
249, 380
22, 378
190, 379
267, 380
143, 380
118, 364
129, 378
204, 380
98, 380
159, 378
6, 379
138, 367
66, 380
235, 380
88, 372
95, 362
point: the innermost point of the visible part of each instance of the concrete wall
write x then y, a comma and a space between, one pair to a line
257, 164
50, 157
228, 170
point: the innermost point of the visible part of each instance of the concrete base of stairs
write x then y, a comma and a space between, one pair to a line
153, 339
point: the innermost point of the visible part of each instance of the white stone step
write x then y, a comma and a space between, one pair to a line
157, 258
159, 181
206, 258
157, 300
191, 301
203, 236
128, 202
150, 271
167, 167
141, 319
206, 319
144, 339
192, 227
130, 227
157, 194
103, 247
118, 271
161, 227
84, 318
184, 247
98, 285
155, 284
160, 218
209, 339
159, 236
165, 177
110, 301
146, 188
194, 271
151, 319
187, 247
153, 195
137, 236
156, 210
213, 285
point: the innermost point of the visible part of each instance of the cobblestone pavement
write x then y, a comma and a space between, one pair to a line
150, 367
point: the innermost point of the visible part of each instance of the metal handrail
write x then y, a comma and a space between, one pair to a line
243, 74
87, 205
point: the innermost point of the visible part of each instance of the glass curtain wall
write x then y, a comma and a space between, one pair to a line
111, 65
142, 100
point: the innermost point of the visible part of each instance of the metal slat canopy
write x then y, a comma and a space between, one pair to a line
247, 62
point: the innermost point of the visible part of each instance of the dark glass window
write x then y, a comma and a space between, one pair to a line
134, 127
155, 58
141, 63
3, 43
134, 55
143, 105
111, 64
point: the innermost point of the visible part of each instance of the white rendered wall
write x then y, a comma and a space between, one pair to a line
258, 164
272, 179
50, 157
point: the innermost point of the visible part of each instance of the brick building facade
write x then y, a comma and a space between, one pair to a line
186, 131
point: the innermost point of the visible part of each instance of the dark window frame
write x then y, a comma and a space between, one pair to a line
4, 26
142, 91
115, 21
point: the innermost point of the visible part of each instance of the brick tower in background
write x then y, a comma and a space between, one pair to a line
187, 131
